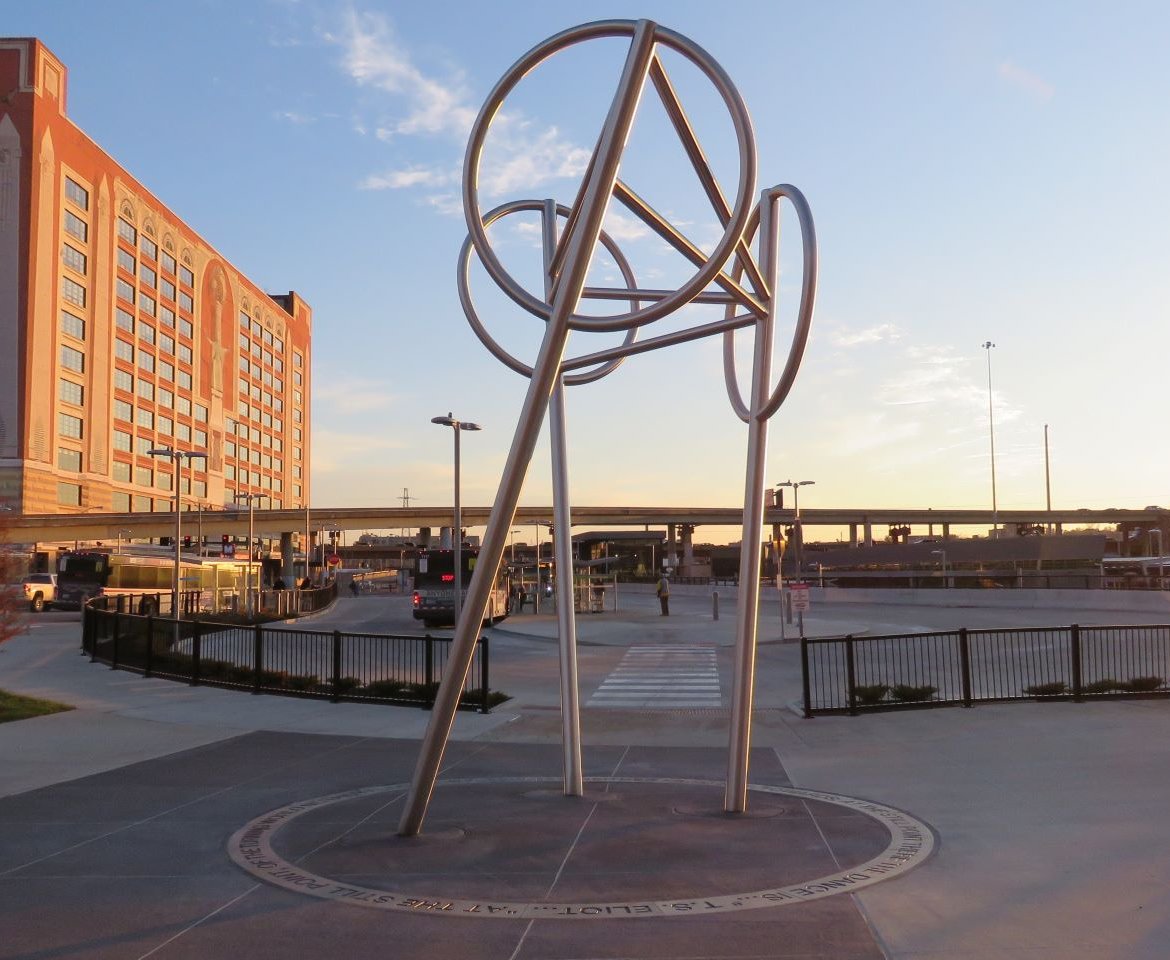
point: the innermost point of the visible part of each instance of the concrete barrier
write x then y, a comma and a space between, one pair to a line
1138, 601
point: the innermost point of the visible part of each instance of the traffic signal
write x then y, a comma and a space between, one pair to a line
187, 542
227, 538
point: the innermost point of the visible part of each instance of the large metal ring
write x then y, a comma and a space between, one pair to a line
465, 299
808, 292
739, 211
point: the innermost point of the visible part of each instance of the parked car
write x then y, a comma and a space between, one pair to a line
40, 590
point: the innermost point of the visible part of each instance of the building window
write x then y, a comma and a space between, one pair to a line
297, 377
123, 381
296, 453
127, 262
278, 405
184, 380
146, 303
167, 315
168, 263
125, 320
69, 426
76, 193
185, 405
146, 361
69, 494
69, 459
72, 291
144, 445
142, 504
72, 359
277, 444
166, 398
182, 431
121, 471
124, 350
145, 417
125, 290
297, 434
147, 275
186, 329
268, 340
166, 370
127, 232
267, 440
167, 344
143, 476
200, 437
257, 350
296, 490
186, 303
73, 258
255, 457
278, 364
74, 326
121, 501
184, 353
146, 390
70, 392
278, 345
187, 276
201, 413
296, 416
149, 247
164, 480
229, 471
76, 227
296, 472
298, 360
166, 425
122, 441
123, 411
168, 290
146, 332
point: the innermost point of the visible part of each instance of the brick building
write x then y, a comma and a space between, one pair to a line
123, 330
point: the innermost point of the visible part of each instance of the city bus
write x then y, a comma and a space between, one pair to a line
434, 587
144, 574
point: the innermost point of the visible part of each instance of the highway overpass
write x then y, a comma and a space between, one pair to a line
19, 528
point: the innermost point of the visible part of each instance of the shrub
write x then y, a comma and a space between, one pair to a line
1143, 684
347, 684
494, 699
1104, 685
302, 681
868, 695
905, 693
1054, 689
385, 688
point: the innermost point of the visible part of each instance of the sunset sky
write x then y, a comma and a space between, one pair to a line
977, 171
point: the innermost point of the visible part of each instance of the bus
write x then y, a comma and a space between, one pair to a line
144, 574
434, 587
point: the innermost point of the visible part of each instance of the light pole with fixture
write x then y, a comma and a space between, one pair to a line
176, 458
457, 426
943, 555
250, 499
512, 544
122, 533
991, 423
796, 485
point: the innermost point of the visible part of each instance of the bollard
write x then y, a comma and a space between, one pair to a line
714, 604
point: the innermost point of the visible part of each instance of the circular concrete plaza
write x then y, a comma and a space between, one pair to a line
516, 848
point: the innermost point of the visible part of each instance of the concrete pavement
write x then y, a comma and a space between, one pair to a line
113, 817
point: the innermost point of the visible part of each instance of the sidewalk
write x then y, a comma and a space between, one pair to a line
1049, 817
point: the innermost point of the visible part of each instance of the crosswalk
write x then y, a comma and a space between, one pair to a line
662, 675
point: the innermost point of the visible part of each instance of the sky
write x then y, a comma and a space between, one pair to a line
977, 171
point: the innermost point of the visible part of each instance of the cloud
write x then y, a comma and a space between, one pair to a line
354, 396
1038, 89
293, 117
515, 159
878, 333
372, 57
621, 227
410, 177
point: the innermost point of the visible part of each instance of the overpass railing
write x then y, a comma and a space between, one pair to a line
964, 667
283, 660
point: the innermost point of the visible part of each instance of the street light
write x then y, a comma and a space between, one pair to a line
457, 426
991, 421
943, 555
512, 544
176, 458
250, 499
796, 485
122, 533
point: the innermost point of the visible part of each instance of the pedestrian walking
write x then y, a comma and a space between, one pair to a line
664, 594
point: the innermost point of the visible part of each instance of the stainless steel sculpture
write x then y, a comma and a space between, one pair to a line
746, 289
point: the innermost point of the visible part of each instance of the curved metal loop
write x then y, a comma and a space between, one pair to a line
468, 304
739, 211
808, 292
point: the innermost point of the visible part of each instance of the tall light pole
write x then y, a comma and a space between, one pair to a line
796, 485
176, 458
250, 499
457, 426
943, 555
1047, 480
122, 533
512, 544
991, 422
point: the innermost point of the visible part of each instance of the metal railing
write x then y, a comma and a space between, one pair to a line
964, 667
328, 665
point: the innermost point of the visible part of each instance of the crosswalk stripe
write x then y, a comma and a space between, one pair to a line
661, 675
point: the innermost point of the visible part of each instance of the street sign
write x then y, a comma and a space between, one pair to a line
800, 597
333, 560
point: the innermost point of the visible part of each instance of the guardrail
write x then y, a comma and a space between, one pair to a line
965, 667
327, 665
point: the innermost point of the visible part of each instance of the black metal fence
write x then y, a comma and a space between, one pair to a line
964, 667
330, 665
